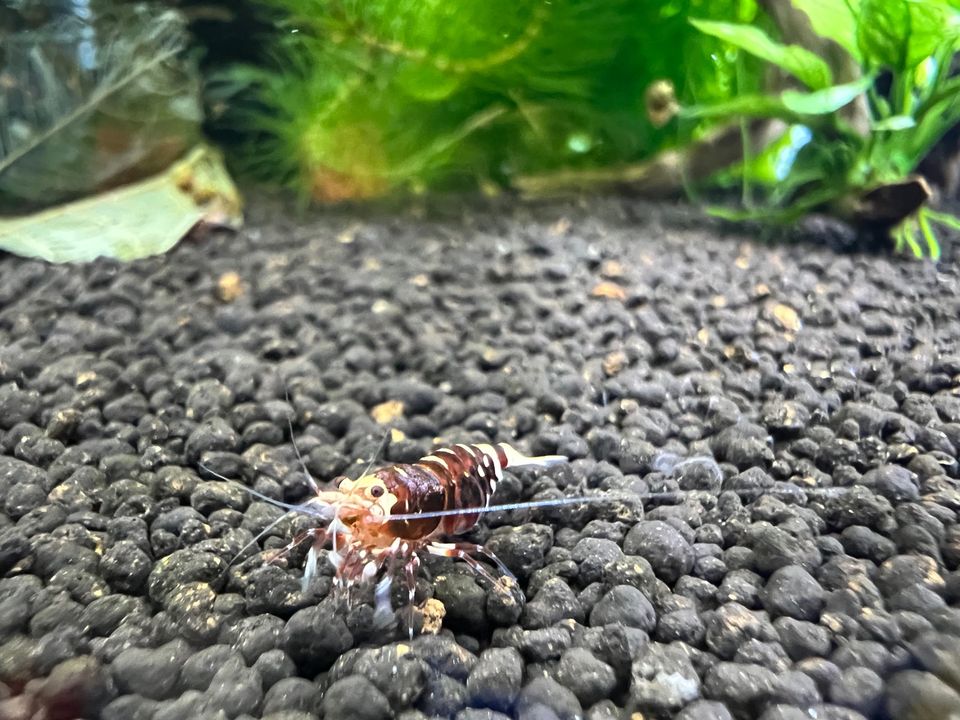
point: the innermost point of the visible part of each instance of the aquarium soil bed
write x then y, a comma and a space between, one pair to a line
790, 414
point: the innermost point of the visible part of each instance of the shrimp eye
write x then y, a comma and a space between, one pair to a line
376, 490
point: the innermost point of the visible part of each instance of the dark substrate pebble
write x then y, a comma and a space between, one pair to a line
776, 429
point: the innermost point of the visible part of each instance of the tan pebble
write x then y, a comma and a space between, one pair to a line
560, 227
787, 317
433, 614
609, 290
614, 362
611, 269
229, 287
349, 235
387, 412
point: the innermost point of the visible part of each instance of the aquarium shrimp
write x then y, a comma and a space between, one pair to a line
380, 523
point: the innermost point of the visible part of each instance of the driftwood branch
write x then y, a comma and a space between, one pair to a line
664, 176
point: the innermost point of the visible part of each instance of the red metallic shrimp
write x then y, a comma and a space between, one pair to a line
381, 521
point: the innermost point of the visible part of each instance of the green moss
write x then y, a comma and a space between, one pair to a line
364, 97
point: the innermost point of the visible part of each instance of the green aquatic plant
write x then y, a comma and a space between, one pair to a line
359, 98
859, 165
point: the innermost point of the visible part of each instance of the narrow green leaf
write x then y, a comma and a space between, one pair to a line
933, 246
883, 31
896, 122
800, 62
945, 219
828, 100
911, 240
899, 241
791, 105
933, 123
749, 105
790, 213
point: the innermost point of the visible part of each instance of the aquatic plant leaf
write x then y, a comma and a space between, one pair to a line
752, 105
828, 100
882, 33
933, 122
92, 103
945, 219
933, 245
932, 25
836, 20
135, 221
894, 122
900, 34
790, 105
806, 66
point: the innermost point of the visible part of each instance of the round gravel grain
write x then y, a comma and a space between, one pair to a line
199, 669
663, 680
624, 605
495, 680
590, 679
354, 697
705, 710
150, 673
551, 696
913, 695
792, 592
858, 688
664, 547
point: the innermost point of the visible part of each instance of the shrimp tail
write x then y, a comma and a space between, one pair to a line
516, 459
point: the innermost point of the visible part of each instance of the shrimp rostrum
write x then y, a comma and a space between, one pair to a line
378, 525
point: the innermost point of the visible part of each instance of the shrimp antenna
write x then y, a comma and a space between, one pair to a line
496, 508
260, 535
293, 441
674, 496
276, 503
302, 508
380, 450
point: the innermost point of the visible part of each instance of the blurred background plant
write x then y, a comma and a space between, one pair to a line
866, 112
805, 106
359, 98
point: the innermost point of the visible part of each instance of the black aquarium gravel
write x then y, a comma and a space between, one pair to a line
789, 416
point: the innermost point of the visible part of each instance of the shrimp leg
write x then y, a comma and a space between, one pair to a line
410, 569
298, 539
319, 537
465, 551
